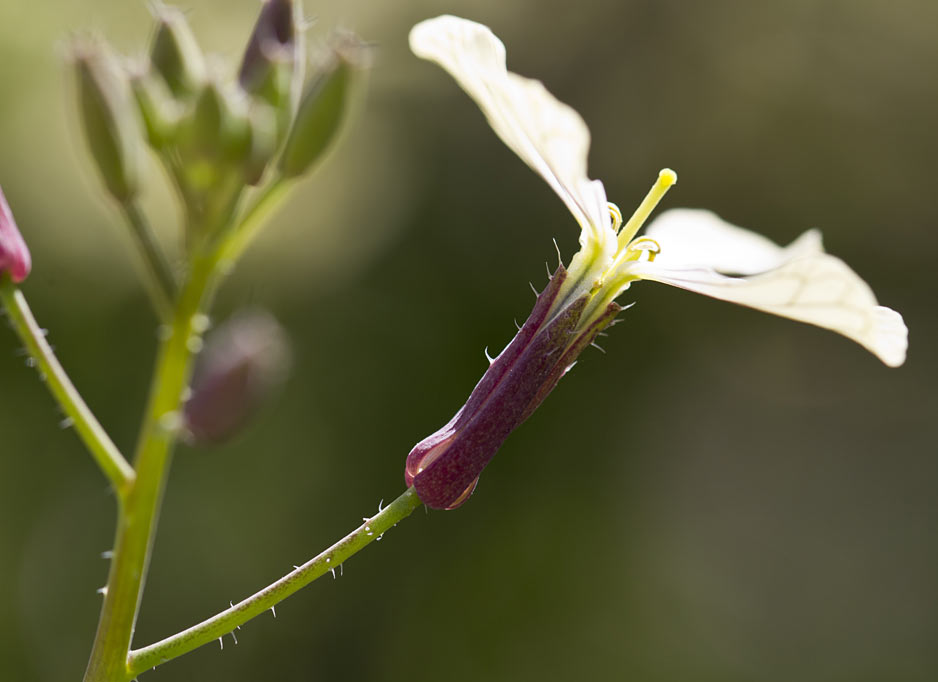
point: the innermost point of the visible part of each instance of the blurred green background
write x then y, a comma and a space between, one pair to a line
723, 496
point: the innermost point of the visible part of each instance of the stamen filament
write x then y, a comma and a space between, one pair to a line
666, 178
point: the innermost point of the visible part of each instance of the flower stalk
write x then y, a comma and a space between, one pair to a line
136, 526
330, 559
160, 280
95, 438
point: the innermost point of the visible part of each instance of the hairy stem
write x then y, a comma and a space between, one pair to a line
224, 622
137, 521
92, 434
136, 526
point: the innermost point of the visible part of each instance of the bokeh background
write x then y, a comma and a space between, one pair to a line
722, 496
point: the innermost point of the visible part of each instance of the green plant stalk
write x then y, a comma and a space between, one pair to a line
226, 621
136, 525
92, 434
137, 519
160, 279
235, 244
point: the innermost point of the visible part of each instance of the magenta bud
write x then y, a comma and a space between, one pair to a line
445, 466
14, 254
241, 366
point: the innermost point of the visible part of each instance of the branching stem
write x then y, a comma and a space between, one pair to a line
136, 525
224, 622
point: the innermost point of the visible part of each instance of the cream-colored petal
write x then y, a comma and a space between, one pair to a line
547, 134
695, 237
800, 281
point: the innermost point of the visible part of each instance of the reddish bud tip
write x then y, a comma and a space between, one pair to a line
14, 254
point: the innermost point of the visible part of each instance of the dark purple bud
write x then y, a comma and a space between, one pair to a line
14, 255
273, 62
242, 364
445, 466
272, 73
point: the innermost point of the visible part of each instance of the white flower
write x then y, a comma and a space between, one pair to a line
691, 249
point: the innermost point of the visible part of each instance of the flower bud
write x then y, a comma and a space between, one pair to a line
158, 110
214, 136
323, 105
272, 68
108, 118
445, 467
14, 255
175, 54
242, 364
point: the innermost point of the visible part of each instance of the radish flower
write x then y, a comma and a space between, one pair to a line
690, 249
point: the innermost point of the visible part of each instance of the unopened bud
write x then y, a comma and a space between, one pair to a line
240, 367
324, 105
445, 467
14, 255
175, 54
108, 118
158, 110
216, 134
272, 68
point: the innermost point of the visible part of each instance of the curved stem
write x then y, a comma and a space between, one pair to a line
92, 434
162, 282
224, 622
136, 526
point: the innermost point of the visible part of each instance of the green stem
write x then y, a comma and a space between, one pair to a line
235, 244
224, 622
136, 525
162, 282
92, 434
137, 521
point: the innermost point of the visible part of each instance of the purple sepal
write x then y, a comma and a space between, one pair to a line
445, 466
14, 254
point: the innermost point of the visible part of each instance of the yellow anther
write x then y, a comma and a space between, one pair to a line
616, 216
666, 178
643, 246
